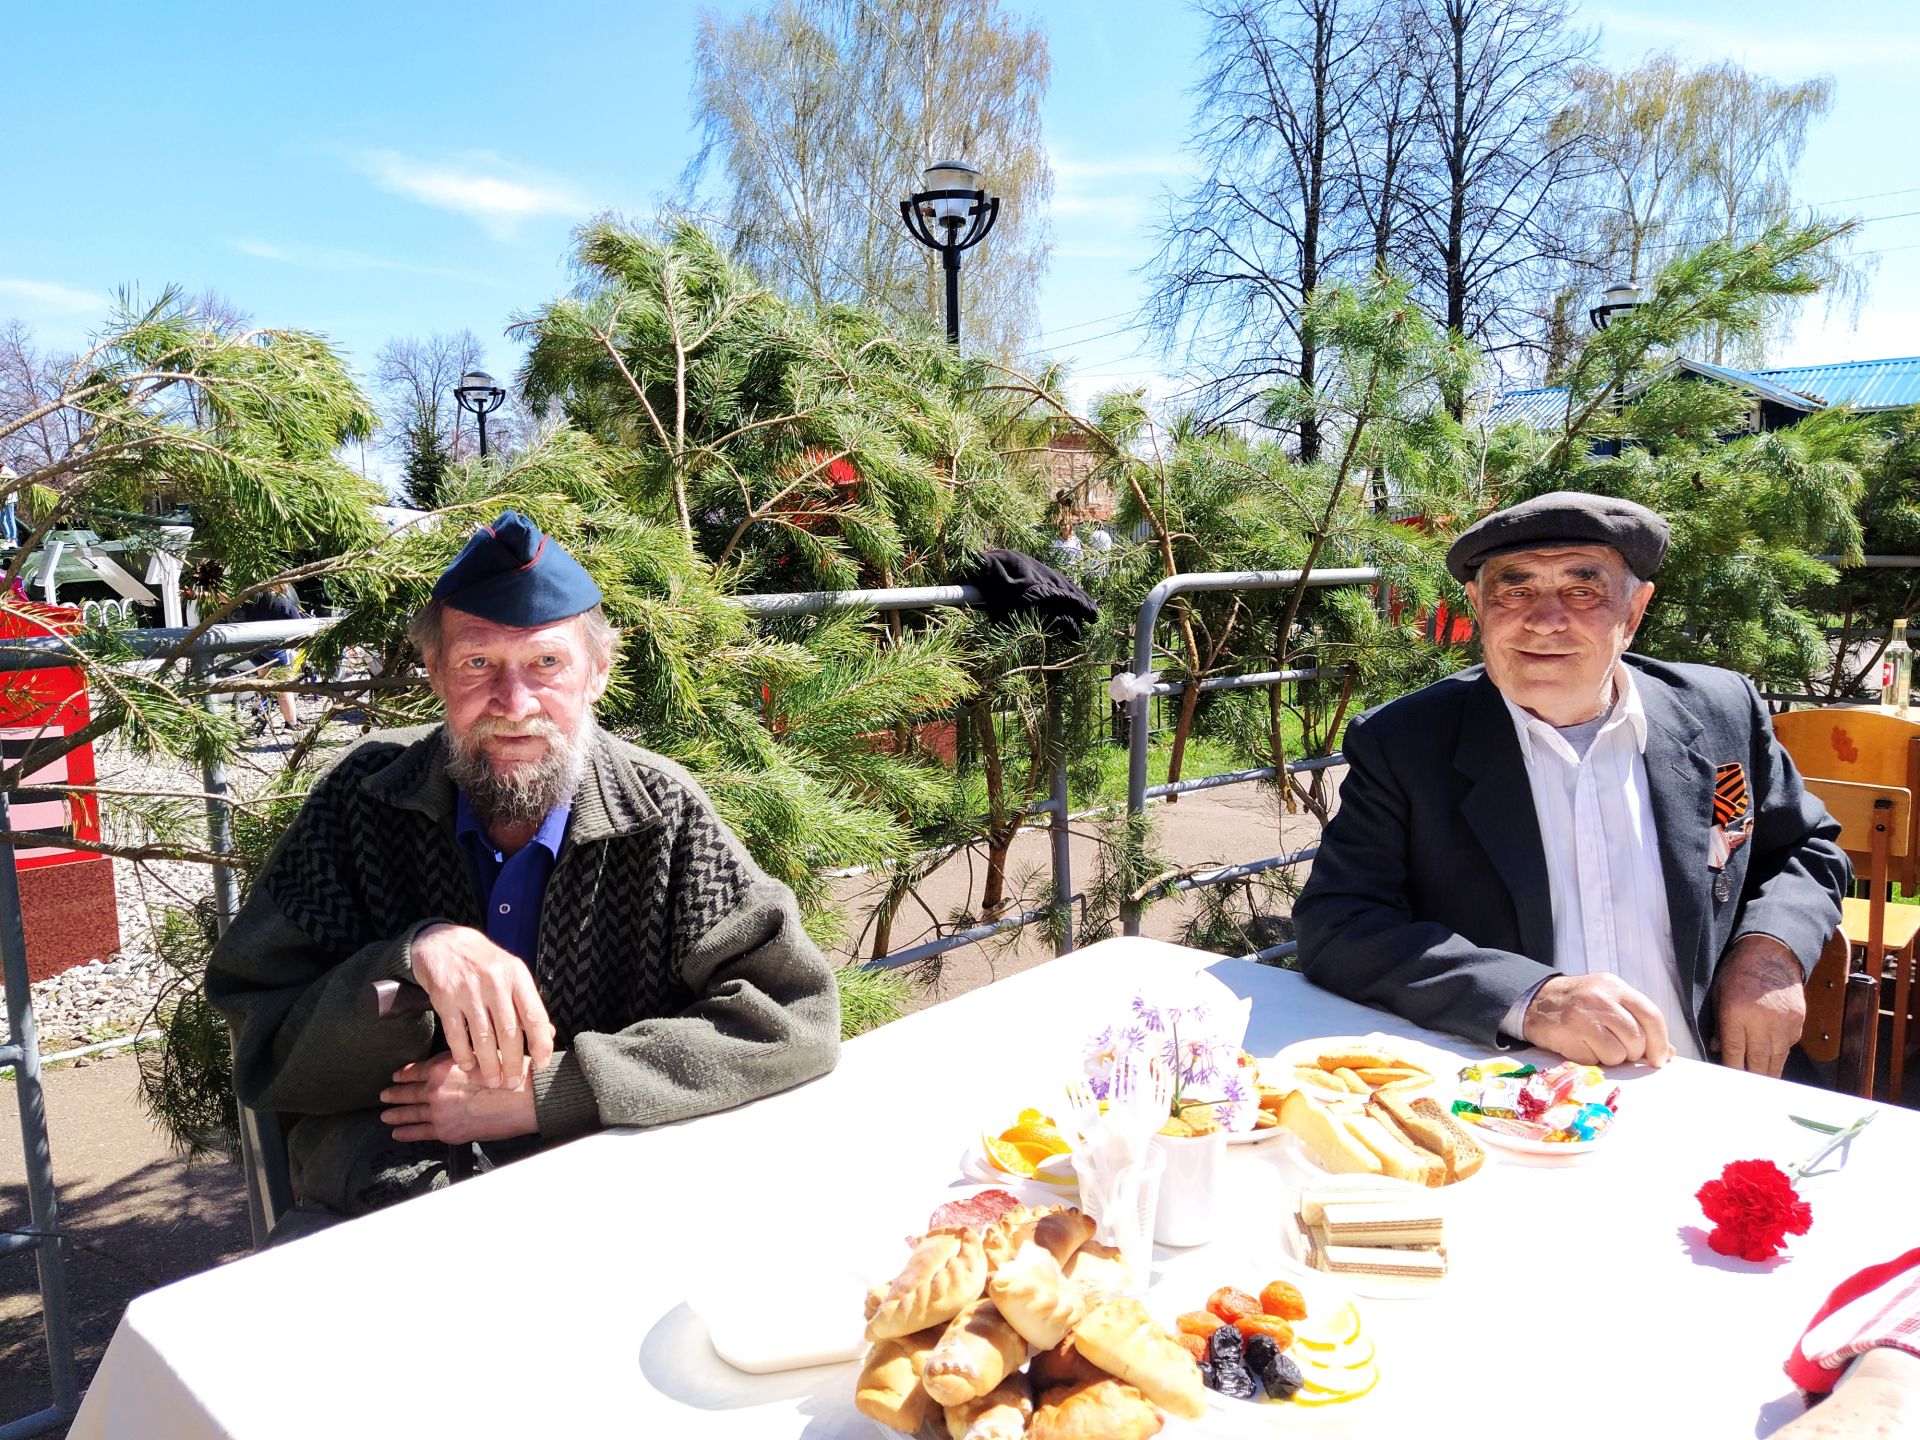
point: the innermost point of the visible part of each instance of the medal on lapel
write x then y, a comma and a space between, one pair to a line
1732, 823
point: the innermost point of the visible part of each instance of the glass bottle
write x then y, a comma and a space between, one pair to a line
1896, 671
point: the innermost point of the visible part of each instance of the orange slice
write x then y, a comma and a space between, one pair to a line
1045, 1137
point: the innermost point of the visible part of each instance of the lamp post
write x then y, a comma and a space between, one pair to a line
479, 397
952, 214
1622, 297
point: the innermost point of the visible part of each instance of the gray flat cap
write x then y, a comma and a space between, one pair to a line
1564, 517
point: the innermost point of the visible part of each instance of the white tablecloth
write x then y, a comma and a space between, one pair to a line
549, 1298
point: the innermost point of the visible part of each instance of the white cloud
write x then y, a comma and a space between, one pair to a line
1796, 51
480, 185
313, 257
44, 297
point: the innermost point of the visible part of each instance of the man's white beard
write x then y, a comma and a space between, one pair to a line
527, 793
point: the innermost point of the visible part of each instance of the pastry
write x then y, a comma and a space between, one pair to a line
946, 1271
1002, 1240
1330, 1143
1060, 1366
1099, 1269
1105, 1409
1397, 1157
1360, 1057
977, 1352
1427, 1125
889, 1388
1064, 1231
1035, 1295
1000, 1414
1122, 1339
1394, 1222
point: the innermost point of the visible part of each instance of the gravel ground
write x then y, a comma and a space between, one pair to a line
114, 994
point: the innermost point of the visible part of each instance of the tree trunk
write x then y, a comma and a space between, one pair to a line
1001, 829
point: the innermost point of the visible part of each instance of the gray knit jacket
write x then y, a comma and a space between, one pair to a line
675, 972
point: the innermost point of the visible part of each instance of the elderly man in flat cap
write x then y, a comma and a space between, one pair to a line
1589, 851
596, 947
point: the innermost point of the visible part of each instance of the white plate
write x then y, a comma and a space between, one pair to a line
1519, 1143
1547, 1148
1442, 1064
1185, 1283
975, 1165
787, 1318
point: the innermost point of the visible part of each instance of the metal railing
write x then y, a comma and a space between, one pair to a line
1139, 792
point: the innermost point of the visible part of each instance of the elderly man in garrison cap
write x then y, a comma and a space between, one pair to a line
596, 947
1586, 850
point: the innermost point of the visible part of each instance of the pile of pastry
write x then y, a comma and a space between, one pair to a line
1377, 1129
1014, 1326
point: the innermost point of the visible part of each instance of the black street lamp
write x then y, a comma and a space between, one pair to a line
1621, 298
952, 214
479, 397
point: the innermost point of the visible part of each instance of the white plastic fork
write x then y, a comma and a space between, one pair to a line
1083, 1111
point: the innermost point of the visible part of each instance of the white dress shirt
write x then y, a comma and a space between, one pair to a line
1603, 858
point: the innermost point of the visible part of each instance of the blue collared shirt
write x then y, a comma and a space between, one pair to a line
511, 887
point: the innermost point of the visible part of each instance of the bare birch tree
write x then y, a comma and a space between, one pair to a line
817, 117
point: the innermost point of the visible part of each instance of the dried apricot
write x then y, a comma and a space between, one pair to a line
1230, 1304
1251, 1325
1196, 1347
1283, 1300
1198, 1322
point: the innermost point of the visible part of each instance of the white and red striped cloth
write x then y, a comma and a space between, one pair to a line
1878, 1307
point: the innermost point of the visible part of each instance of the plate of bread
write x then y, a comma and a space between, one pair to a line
1379, 1121
1018, 1324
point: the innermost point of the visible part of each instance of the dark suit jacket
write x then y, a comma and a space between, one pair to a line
1429, 895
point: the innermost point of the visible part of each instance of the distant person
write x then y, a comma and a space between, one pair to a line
596, 946
1067, 549
1596, 853
280, 602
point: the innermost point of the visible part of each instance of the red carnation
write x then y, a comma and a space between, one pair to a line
1754, 1207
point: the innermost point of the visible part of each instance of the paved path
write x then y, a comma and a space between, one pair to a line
138, 1216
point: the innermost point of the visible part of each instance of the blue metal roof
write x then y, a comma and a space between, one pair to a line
1752, 381
1863, 384
1543, 409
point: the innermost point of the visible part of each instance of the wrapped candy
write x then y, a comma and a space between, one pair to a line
1591, 1122
1500, 1097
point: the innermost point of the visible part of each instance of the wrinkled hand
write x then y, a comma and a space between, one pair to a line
1760, 995
489, 1009
436, 1100
1597, 1020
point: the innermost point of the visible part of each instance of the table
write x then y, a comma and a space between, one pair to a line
549, 1298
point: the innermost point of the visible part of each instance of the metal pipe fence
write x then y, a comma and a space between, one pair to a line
1139, 792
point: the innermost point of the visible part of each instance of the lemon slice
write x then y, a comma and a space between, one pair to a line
1336, 1328
1350, 1356
1336, 1387
1008, 1158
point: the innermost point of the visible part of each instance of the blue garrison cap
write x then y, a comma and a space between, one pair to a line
512, 574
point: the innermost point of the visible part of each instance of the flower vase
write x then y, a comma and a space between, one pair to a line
1189, 1187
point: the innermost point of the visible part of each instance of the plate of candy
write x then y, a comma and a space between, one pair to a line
1559, 1112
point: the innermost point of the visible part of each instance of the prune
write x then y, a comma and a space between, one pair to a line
1224, 1346
1235, 1380
1261, 1350
1282, 1378
1207, 1377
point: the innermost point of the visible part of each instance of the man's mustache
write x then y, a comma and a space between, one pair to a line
495, 727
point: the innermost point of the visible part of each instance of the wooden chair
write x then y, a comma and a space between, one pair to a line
1871, 747
1875, 825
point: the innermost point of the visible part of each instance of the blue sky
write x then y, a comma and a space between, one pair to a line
372, 170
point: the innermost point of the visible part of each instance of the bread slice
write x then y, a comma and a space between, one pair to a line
1358, 1058
1331, 1145
1397, 1158
1424, 1124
